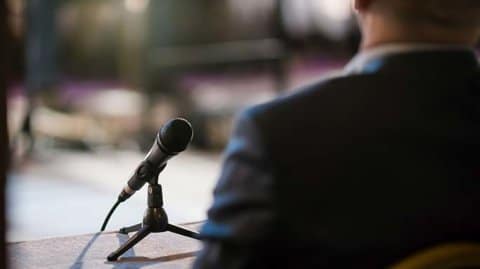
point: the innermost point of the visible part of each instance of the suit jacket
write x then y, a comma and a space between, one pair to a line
356, 171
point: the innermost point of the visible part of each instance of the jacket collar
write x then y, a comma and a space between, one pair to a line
413, 56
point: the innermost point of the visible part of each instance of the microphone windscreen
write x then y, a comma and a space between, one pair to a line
175, 135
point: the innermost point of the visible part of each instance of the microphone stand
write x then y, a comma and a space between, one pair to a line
155, 220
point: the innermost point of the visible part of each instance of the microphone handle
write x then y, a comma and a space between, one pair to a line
144, 173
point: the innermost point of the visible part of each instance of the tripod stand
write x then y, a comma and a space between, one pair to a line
155, 220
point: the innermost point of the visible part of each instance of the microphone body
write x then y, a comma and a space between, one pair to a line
172, 139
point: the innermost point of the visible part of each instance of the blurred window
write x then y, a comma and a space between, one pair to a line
330, 18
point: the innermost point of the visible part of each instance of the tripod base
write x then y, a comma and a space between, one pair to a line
154, 221
142, 232
170, 228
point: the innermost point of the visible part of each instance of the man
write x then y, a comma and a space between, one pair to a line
364, 169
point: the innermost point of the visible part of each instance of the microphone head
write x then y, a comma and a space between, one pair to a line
175, 135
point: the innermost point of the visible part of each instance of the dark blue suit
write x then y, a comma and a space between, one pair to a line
354, 171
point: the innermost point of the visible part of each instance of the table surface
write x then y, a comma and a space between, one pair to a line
159, 250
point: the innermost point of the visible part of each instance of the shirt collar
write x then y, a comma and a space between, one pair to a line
360, 62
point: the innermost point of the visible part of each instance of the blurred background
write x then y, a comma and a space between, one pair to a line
95, 79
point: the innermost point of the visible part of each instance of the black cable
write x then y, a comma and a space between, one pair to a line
109, 215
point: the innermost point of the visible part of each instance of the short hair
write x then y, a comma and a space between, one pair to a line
444, 13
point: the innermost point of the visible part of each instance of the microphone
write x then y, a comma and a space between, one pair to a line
171, 139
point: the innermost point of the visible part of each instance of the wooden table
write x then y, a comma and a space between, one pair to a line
161, 250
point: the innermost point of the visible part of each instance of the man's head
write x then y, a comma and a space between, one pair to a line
421, 21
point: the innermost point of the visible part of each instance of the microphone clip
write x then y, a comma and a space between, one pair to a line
148, 173
145, 173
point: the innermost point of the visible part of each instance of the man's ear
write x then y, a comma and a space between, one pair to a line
361, 5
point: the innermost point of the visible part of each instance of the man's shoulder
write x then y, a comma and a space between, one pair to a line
324, 94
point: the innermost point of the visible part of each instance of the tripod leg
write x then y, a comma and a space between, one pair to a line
144, 231
134, 228
182, 231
